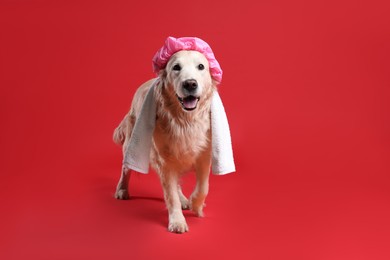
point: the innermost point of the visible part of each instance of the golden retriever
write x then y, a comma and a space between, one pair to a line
182, 135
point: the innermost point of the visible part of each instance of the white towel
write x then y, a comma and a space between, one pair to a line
222, 152
138, 149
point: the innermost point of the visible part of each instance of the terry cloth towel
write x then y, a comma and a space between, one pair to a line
138, 149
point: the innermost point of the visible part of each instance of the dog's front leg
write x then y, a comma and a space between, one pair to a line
177, 222
122, 189
201, 189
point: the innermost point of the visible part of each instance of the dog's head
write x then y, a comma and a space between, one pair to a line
188, 74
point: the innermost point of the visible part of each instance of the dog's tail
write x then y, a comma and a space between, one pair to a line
120, 132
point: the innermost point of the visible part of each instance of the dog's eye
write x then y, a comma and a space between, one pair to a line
201, 67
176, 67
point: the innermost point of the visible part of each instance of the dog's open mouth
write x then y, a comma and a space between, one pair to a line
188, 103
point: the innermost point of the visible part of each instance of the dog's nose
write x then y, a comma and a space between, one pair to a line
190, 84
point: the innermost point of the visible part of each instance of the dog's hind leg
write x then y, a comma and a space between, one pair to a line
183, 200
122, 189
122, 136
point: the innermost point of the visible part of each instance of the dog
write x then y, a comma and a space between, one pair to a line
182, 135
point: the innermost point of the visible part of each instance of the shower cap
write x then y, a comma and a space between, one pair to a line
173, 45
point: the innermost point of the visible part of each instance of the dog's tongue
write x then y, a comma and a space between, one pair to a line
190, 102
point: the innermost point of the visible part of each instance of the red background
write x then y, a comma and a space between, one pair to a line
306, 88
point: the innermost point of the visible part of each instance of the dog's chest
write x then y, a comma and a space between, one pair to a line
182, 142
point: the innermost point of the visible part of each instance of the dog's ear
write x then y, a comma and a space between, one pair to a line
214, 84
163, 75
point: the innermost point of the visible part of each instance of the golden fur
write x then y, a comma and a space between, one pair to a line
181, 140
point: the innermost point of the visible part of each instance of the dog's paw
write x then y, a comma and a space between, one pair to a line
197, 205
198, 211
122, 194
185, 204
178, 227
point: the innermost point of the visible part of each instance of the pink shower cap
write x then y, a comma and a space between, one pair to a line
173, 45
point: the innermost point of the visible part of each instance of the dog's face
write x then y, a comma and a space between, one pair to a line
189, 75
